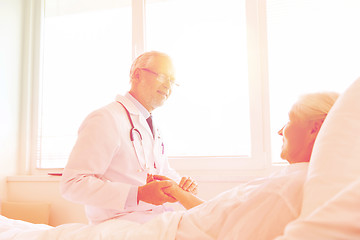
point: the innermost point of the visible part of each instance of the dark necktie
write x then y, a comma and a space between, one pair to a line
149, 121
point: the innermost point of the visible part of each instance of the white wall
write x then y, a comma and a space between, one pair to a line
11, 25
45, 189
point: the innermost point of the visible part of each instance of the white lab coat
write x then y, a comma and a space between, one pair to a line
103, 167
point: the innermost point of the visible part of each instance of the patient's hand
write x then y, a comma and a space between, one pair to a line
189, 185
186, 183
187, 199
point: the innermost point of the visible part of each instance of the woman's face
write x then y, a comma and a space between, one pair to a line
297, 141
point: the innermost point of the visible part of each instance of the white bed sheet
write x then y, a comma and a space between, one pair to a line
257, 210
161, 228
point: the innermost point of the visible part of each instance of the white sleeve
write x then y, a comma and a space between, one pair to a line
82, 180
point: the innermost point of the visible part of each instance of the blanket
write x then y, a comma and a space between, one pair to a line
162, 227
259, 209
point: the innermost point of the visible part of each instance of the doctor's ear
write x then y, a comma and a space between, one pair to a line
136, 75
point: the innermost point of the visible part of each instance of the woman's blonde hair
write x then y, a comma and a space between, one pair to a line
313, 106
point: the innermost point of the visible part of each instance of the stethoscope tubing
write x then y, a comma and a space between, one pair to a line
132, 130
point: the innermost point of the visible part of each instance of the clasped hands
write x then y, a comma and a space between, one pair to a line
160, 189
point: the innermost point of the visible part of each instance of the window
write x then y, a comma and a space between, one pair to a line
313, 46
211, 106
79, 54
219, 57
86, 54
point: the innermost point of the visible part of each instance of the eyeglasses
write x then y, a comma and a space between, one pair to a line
162, 77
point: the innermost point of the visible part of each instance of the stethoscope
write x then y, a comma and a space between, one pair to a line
135, 132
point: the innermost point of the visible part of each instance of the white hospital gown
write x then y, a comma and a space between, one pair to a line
257, 210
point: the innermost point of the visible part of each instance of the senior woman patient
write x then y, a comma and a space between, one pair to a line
261, 208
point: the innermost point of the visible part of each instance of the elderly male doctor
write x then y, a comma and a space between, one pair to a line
119, 149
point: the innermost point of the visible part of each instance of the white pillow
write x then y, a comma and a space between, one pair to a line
331, 205
337, 219
335, 160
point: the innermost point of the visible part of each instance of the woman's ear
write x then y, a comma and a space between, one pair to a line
316, 125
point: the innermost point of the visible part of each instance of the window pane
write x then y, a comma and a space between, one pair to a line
208, 115
313, 46
86, 61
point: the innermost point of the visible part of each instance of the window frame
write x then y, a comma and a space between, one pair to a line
258, 91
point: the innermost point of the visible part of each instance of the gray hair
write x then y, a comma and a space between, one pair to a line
313, 106
143, 60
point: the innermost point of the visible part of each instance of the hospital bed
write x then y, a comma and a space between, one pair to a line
330, 205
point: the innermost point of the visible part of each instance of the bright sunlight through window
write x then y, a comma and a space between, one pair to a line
208, 115
87, 57
313, 45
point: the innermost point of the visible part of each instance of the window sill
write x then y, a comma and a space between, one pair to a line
33, 178
199, 175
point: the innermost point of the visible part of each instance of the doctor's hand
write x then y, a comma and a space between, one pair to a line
152, 192
150, 178
186, 198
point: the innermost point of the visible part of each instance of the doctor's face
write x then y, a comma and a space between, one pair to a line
155, 82
297, 141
